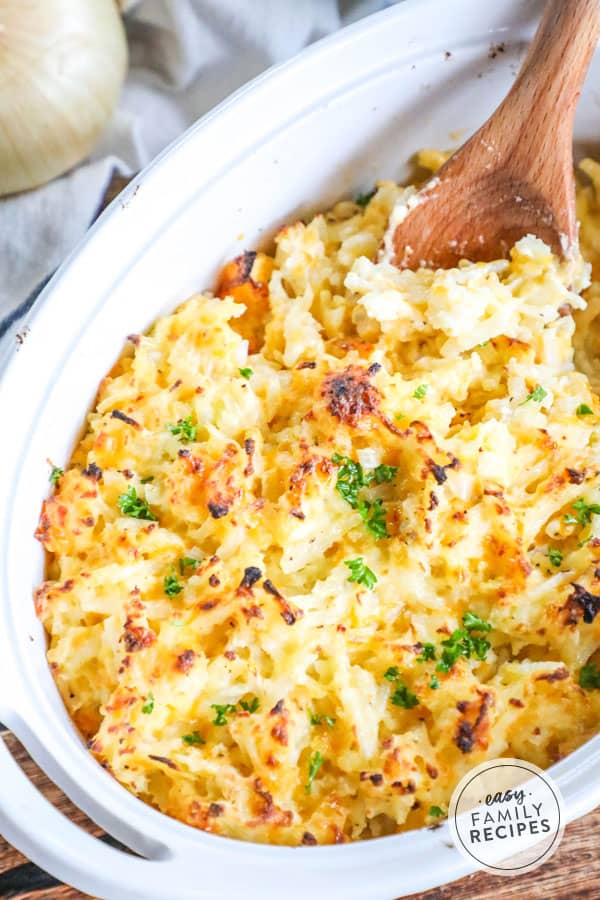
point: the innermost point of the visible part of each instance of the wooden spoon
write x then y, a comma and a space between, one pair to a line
515, 175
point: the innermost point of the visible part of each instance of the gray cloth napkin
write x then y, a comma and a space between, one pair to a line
185, 57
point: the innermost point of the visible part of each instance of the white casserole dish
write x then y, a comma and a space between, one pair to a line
347, 111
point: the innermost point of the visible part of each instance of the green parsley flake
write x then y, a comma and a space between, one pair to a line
434, 683
473, 622
147, 479
193, 738
403, 697
584, 511
188, 562
420, 392
316, 719
148, 706
361, 573
55, 475
364, 199
537, 395
462, 642
314, 764
351, 478
222, 711
555, 556
185, 430
385, 474
171, 583
250, 706
132, 505
436, 811
392, 673
584, 410
589, 676
246, 373
427, 652
373, 515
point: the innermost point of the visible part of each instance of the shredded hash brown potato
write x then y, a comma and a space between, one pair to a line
291, 494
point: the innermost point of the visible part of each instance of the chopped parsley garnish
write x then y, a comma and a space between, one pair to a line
392, 673
361, 573
473, 622
399, 416
434, 683
316, 719
420, 392
250, 706
351, 478
193, 738
246, 373
462, 642
385, 474
584, 511
458, 644
185, 430
147, 479
373, 515
148, 706
364, 199
188, 562
589, 676
537, 395
555, 556
584, 410
132, 505
403, 697
314, 764
427, 652
55, 474
436, 811
222, 711
172, 585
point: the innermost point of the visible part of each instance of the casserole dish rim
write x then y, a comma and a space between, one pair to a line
143, 828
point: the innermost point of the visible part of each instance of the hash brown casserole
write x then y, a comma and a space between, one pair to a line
332, 536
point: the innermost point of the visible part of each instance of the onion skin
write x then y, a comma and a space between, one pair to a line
62, 65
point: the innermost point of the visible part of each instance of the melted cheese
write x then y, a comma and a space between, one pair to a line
428, 372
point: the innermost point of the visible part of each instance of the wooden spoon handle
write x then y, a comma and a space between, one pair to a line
546, 91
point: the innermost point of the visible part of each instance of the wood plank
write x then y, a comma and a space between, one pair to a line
573, 873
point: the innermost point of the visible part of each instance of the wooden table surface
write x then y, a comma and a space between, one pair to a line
573, 873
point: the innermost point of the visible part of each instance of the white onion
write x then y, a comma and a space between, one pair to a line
369, 458
62, 64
